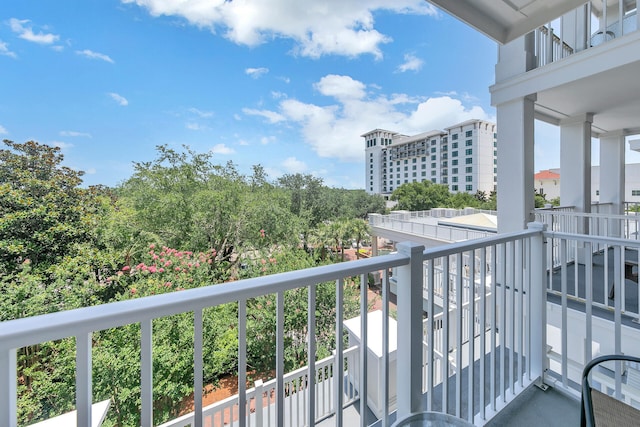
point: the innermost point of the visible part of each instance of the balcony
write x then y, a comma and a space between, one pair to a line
482, 322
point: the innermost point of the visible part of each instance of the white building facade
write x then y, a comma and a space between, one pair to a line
462, 156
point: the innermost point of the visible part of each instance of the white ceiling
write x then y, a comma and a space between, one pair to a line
506, 20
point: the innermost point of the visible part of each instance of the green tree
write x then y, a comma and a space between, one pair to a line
418, 196
43, 212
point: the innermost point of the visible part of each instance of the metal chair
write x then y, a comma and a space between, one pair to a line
601, 409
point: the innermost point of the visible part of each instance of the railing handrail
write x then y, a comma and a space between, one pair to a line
604, 240
47, 327
585, 214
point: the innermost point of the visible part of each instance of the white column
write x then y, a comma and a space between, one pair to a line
575, 163
515, 163
612, 171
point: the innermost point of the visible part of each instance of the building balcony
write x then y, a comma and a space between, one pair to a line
478, 323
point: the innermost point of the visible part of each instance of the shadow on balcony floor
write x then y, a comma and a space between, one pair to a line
535, 407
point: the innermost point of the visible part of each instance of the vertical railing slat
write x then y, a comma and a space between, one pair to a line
483, 329
459, 292
84, 392
472, 334
242, 362
445, 334
8, 388
563, 332
311, 356
198, 367
363, 348
494, 325
338, 373
279, 359
430, 332
146, 373
385, 348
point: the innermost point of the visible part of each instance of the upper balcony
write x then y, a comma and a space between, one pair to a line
520, 324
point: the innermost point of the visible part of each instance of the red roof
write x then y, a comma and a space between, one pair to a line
546, 174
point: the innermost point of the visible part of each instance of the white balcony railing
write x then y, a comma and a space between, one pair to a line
519, 324
588, 26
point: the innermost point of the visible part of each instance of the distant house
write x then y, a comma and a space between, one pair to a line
547, 182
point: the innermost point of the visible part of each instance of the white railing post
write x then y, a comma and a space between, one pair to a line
409, 353
538, 302
8, 388
259, 404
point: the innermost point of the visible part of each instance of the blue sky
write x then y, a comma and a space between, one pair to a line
288, 84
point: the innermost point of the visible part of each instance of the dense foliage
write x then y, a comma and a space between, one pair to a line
179, 222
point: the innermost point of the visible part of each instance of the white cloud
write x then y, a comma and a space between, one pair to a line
119, 99
267, 139
91, 171
411, 63
62, 145
256, 72
24, 31
342, 27
94, 55
333, 130
194, 126
242, 142
4, 50
293, 165
3, 130
222, 149
74, 134
200, 113
271, 116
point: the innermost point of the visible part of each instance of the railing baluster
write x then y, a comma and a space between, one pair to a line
385, 348
511, 261
494, 326
84, 392
519, 268
618, 271
8, 388
430, 332
483, 329
445, 334
338, 372
563, 290
472, 333
363, 348
198, 367
146, 373
459, 292
242, 362
280, 359
311, 356
588, 294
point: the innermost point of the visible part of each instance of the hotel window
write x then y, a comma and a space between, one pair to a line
397, 169
398, 182
454, 162
413, 167
454, 154
406, 181
468, 151
444, 180
454, 137
469, 169
413, 175
495, 170
454, 179
635, 192
406, 175
433, 142
454, 170
433, 165
433, 149
454, 145
414, 160
433, 173
469, 160
454, 188
433, 180
406, 168
424, 173
398, 162
468, 134
424, 166
424, 159
469, 178
469, 187
444, 164
469, 142
406, 161
433, 157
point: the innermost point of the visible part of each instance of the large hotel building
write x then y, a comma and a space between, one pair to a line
462, 156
